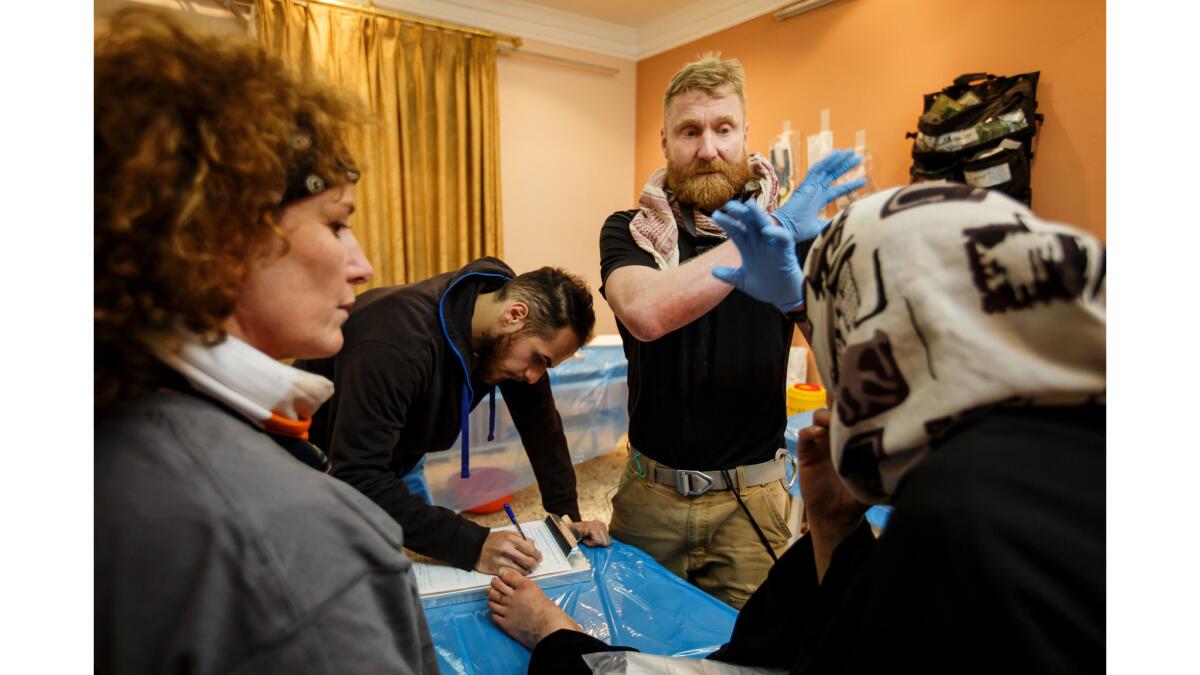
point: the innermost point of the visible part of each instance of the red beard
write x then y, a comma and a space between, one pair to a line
710, 191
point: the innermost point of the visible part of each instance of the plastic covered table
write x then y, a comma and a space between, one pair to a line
629, 600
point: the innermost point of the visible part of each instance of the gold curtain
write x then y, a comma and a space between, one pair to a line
429, 196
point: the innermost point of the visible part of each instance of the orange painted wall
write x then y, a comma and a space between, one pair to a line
870, 61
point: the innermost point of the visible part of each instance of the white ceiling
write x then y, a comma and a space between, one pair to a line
631, 13
630, 29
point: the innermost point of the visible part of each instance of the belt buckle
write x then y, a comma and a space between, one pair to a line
683, 482
783, 454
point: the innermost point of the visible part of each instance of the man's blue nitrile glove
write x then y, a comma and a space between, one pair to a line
799, 213
770, 270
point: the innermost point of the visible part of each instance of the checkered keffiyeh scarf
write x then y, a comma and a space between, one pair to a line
655, 227
936, 302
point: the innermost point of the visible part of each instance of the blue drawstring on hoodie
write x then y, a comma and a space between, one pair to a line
466, 430
468, 394
466, 426
492, 414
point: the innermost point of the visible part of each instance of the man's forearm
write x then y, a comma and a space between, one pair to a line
555, 474
652, 303
434, 531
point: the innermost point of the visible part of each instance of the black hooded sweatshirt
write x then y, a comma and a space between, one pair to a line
404, 382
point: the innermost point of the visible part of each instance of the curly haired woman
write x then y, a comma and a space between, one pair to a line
223, 186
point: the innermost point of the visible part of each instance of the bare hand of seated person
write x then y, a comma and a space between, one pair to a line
507, 549
523, 611
832, 511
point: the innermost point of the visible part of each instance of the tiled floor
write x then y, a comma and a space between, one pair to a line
596, 481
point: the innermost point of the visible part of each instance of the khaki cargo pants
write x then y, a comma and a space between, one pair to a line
705, 539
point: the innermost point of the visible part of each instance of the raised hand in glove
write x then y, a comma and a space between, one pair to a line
799, 213
770, 270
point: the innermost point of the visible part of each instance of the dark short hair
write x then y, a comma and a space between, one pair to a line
556, 300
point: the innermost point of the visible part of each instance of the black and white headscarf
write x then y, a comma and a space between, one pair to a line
936, 301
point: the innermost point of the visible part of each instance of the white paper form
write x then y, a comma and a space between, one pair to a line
434, 578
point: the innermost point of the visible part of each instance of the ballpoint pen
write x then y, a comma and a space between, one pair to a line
513, 518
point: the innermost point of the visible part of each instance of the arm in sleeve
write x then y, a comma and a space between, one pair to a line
765, 634
541, 430
560, 652
376, 385
375, 625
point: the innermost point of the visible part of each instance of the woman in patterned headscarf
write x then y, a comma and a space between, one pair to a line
963, 340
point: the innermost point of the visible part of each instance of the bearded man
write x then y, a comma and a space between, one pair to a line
417, 359
704, 490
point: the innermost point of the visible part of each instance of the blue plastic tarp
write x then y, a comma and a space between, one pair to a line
630, 600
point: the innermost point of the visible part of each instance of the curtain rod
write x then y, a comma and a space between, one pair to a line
410, 18
549, 58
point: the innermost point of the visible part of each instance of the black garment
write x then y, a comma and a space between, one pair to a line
709, 395
400, 382
218, 552
993, 561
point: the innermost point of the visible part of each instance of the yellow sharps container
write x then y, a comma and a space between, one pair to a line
804, 397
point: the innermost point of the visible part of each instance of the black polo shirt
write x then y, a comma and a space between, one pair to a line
709, 395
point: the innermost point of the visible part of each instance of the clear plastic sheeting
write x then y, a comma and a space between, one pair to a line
877, 516
634, 663
630, 600
590, 393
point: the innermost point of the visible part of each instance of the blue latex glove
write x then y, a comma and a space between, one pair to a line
770, 270
799, 213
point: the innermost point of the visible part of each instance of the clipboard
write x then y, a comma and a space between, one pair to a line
562, 564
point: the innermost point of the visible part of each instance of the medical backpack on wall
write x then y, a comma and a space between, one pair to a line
979, 131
